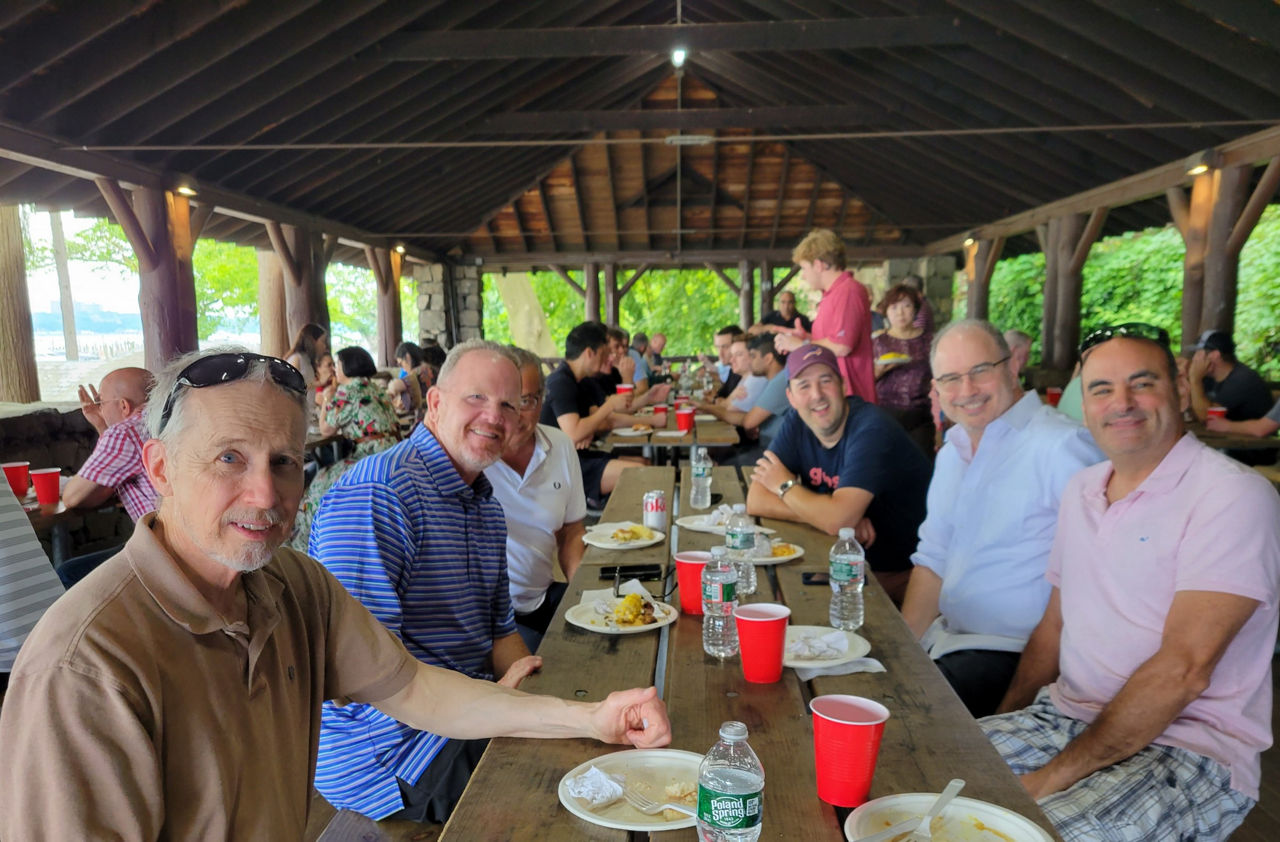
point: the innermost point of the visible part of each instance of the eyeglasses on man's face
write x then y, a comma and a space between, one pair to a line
980, 375
1131, 330
530, 401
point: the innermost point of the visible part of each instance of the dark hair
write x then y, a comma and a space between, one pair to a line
730, 330
588, 336
356, 362
616, 333
896, 293
433, 354
412, 351
304, 344
762, 343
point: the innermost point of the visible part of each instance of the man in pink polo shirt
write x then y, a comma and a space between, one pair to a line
842, 324
115, 409
1157, 641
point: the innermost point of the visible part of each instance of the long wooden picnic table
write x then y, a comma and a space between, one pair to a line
929, 739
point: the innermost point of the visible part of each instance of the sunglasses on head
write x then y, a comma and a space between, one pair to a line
1131, 330
227, 368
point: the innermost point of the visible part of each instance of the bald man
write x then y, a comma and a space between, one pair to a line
115, 466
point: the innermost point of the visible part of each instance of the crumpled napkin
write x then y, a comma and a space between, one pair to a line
848, 668
603, 598
833, 644
595, 787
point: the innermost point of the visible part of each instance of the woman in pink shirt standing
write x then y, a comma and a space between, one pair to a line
843, 321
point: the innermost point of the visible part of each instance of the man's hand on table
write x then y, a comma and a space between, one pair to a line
632, 717
865, 532
520, 670
770, 472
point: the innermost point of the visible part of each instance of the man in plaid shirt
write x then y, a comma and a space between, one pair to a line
115, 466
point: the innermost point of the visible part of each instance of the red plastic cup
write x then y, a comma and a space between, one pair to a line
846, 743
689, 579
18, 475
47, 483
626, 388
1053, 394
762, 635
684, 419
681, 402
1217, 412
660, 415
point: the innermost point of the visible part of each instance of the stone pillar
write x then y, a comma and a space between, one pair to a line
18, 380
469, 302
938, 274
433, 316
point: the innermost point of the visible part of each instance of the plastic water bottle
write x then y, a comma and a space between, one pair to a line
700, 494
740, 541
731, 789
848, 573
719, 598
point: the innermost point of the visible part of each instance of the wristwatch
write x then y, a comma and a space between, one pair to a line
785, 487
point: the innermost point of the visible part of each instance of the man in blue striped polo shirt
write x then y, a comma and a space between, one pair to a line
416, 535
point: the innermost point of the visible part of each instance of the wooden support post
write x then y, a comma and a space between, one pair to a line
725, 279
766, 287
158, 226
568, 279
273, 326
979, 262
1050, 295
1228, 230
746, 295
302, 256
19, 382
1066, 242
591, 285
1192, 221
64, 286
386, 265
612, 298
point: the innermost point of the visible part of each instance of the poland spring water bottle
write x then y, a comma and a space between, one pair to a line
848, 573
700, 462
730, 789
740, 541
719, 598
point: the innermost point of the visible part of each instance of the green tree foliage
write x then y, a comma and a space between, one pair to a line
689, 306
226, 288
1138, 277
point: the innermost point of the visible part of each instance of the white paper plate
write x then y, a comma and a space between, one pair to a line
796, 552
704, 416
586, 617
599, 536
964, 819
858, 648
671, 434
698, 523
627, 432
652, 769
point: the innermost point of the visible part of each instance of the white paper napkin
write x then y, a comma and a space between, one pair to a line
603, 598
833, 644
595, 787
847, 668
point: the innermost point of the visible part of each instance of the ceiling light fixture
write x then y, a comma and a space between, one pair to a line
678, 55
688, 139
185, 185
1203, 161
399, 248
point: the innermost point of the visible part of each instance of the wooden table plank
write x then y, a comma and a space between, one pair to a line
626, 503
1233, 441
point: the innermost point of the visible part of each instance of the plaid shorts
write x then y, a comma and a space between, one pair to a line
1161, 793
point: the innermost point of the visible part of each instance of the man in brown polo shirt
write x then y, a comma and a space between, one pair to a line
175, 692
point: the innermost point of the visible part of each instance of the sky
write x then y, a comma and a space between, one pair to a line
112, 288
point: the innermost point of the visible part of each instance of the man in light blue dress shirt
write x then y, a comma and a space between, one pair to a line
978, 586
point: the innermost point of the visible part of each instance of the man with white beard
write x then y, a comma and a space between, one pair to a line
175, 692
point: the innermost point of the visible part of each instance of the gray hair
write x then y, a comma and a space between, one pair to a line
166, 381
1019, 338
527, 359
980, 325
457, 352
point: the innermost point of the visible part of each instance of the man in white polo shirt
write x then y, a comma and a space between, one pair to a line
539, 484
1156, 645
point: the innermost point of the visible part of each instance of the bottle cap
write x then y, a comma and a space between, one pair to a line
733, 731
739, 507
718, 550
846, 532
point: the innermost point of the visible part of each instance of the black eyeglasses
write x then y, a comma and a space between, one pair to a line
227, 368
1133, 330
979, 375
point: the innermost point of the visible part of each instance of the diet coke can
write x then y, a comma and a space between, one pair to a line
655, 509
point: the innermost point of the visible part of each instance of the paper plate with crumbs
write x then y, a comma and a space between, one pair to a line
662, 774
963, 820
624, 535
621, 615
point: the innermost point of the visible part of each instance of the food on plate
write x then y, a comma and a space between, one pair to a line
633, 610
632, 532
893, 357
642, 428
781, 548
680, 792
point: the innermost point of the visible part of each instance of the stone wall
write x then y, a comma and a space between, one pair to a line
939, 278
435, 281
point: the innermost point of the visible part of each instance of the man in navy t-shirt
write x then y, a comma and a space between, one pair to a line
840, 462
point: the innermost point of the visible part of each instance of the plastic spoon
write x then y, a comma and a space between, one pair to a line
923, 833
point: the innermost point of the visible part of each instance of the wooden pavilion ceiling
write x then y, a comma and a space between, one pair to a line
482, 126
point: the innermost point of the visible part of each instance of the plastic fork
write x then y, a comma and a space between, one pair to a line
649, 807
924, 833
